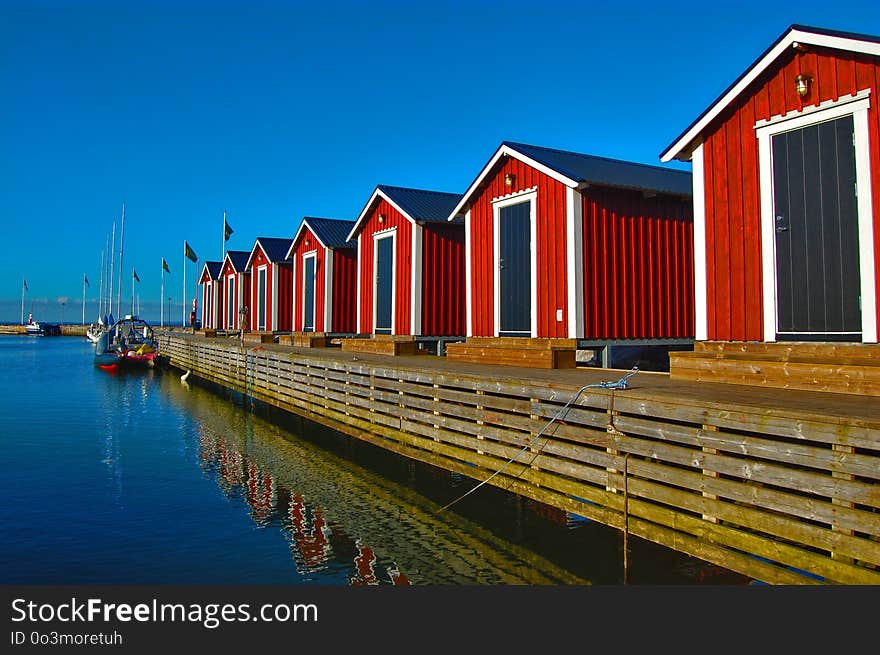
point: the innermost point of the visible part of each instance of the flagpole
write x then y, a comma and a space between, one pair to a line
132, 290
183, 320
223, 243
22, 300
84, 299
162, 298
121, 241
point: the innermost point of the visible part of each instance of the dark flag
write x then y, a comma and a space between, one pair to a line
190, 254
227, 231
24, 281
134, 274
165, 265
86, 280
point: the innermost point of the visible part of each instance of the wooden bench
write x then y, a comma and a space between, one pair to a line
382, 344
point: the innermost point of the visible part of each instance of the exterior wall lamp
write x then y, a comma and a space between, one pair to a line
802, 84
509, 179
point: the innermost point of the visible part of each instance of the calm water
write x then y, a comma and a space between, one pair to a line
137, 478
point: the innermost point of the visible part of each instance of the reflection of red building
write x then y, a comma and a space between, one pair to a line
260, 494
364, 563
311, 540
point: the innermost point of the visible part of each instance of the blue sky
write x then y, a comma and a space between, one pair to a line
277, 110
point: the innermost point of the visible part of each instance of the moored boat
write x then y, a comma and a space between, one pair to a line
129, 342
37, 329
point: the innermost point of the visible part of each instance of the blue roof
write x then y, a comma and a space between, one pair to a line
591, 169
275, 248
214, 269
332, 232
239, 259
421, 205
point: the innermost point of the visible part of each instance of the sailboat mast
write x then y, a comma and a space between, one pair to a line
112, 258
121, 239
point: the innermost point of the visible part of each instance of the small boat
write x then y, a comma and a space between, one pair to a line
37, 329
128, 343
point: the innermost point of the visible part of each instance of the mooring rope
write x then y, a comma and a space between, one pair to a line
622, 383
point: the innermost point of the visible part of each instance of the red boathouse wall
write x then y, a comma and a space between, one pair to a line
638, 265
551, 248
393, 219
241, 282
279, 293
344, 289
443, 280
734, 298
308, 244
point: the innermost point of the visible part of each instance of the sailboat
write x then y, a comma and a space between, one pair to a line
106, 321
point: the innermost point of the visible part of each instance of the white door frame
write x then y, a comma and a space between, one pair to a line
856, 106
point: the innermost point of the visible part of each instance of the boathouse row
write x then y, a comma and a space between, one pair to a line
324, 276
212, 294
410, 263
786, 165
237, 288
271, 299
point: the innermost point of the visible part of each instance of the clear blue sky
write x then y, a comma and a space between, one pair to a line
276, 110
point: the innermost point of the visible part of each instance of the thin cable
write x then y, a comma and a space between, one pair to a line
619, 384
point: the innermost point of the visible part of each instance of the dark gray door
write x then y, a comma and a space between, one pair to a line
261, 299
384, 284
817, 238
514, 275
309, 294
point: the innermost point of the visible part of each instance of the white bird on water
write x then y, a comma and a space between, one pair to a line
184, 376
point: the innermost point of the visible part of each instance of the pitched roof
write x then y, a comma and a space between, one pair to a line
213, 269
417, 205
238, 258
574, 169
274, 247
795, 35
332, 232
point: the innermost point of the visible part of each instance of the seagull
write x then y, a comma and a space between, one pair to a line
184, 376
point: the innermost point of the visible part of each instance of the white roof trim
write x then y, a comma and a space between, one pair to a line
205, 268
304, 224
791, 39
503, 150
378, 193
257, 244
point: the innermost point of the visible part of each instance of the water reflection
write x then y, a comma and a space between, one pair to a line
344, 523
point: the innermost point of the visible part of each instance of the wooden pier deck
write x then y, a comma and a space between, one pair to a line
780, 485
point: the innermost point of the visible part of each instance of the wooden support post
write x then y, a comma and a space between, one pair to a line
842, 476
480, 408
710, 474
533, 434
436, 411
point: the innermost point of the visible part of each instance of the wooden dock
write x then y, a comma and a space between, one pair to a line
779, 485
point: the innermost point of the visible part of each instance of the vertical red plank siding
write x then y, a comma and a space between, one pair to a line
550, 250
307, 244
638, 265
731, 178
284, 296
402, 264
344, 290
443, 271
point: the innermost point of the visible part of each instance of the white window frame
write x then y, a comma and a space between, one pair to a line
856, 106
262, 300
231, 289
530, 196
378, 236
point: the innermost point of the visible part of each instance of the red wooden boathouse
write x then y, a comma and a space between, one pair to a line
236, 287
270, 308
566, 245
324, 276
212, 294
410, 273
786, 179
